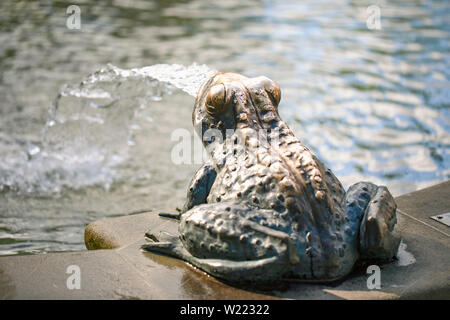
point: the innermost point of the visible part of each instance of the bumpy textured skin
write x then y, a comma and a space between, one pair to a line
264, 207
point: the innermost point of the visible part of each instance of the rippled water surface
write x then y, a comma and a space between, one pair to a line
85, 129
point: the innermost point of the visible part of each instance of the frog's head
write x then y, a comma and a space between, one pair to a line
232, 101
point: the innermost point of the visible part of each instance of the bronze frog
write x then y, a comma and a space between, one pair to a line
266, 208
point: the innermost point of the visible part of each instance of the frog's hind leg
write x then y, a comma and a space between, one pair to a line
378, 240
261, 270
372, 209
219, 239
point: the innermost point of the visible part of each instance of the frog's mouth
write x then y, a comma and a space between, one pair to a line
232, 101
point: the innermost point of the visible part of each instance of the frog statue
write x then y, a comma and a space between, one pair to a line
266, 209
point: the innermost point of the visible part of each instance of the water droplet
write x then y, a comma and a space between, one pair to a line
32, 151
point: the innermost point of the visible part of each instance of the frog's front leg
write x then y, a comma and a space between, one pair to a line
198, 190
372, 210
200, 186
219, 239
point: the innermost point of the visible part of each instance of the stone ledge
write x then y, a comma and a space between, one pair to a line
113, 233
125, 272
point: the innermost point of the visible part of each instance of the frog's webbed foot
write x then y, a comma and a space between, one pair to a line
166, 244
375, 208
170, 215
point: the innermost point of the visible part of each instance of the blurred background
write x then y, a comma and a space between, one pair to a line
78, 142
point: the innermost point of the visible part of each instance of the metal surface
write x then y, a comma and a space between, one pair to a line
442, 218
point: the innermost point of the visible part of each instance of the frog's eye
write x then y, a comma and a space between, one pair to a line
272, 88
215, 101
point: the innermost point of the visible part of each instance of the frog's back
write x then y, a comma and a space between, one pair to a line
306, 200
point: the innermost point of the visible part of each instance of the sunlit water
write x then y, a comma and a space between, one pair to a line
91, 127
86, 115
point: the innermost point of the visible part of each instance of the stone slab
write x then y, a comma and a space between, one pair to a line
103, 275
114, 233
125, 272
423, 204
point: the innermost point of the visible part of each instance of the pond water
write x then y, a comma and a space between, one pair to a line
85, 131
